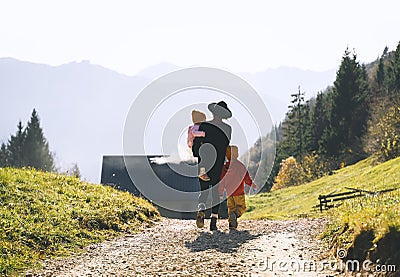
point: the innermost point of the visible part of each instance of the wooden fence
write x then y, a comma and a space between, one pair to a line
336, 199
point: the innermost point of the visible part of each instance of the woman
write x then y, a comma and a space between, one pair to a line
218, 134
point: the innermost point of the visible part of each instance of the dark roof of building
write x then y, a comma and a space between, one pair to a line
114, 172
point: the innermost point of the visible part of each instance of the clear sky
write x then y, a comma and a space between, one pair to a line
242, 36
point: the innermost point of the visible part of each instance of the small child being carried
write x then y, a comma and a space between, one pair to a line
233, 178
193, 132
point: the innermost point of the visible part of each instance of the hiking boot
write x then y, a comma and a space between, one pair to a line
200, 219
213, 224
233, 220
203, 175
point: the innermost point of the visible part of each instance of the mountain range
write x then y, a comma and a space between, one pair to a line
82, 106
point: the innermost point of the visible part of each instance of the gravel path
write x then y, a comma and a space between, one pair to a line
177, 248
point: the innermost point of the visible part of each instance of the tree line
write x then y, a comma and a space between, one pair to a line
356, 117
28, 147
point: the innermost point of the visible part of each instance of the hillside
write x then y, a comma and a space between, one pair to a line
48, 215
298, 201
365, 227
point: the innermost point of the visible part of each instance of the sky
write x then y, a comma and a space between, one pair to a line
241, 36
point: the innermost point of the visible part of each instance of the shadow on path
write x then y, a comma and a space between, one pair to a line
220, 241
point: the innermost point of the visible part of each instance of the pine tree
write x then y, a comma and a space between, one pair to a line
321, 124
293, 126
379, 84
393, 80
36, 147
308, 139
3, 155
350, 109
380, 73
15, 148
74, 171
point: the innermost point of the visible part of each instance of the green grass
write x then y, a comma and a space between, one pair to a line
298, 201
367, 227
50, 215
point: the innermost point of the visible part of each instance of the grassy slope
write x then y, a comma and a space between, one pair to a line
298, 201
367, 227
45, 214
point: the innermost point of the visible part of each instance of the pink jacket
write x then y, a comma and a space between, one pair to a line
194, 132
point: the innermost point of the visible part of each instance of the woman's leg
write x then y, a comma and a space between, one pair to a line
215, 201
202, 203
203, 194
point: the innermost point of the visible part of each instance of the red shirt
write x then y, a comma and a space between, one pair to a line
234, 176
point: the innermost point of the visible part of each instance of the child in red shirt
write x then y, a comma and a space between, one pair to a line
233, 178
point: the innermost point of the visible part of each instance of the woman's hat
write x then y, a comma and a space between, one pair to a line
220, 109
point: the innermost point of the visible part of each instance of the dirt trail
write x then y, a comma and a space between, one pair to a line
177, 248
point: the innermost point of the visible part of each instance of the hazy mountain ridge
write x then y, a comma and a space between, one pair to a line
82, 106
